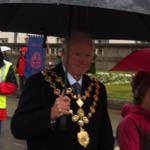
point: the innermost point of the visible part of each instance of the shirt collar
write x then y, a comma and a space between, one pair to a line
71, 78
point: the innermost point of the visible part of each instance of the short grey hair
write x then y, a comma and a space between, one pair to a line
76, 35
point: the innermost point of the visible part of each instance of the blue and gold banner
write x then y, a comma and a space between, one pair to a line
35, 56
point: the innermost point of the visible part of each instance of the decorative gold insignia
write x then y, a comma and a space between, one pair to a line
94, 103
86, 120
74, 96
81, 112
71, 111
48, 79
90, 88
81, 123
75, 118
80, 102
98, 87
58, 79
95, 97
57, 91
81, 118
83, 138
68, 90
97, 91
89, 115
92, 109
83, 97
87, 94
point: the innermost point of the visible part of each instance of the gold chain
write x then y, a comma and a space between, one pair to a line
82, 136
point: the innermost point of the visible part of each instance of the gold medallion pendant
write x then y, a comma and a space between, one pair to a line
83, 138
81, 117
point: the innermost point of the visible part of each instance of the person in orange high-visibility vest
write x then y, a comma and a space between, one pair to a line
8, 85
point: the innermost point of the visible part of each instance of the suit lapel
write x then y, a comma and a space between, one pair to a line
60, 72
85, 83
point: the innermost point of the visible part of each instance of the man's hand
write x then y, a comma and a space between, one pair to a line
60, 107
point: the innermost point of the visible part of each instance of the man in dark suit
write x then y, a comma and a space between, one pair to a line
63, 108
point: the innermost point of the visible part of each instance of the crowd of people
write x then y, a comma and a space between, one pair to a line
62, 107
8, 85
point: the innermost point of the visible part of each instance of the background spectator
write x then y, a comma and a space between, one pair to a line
134, 129
20, 68
8, 85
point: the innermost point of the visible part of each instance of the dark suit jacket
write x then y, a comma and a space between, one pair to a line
31, 120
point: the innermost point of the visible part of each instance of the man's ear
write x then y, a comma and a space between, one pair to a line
63, 53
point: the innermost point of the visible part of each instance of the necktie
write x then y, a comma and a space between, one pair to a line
77, 88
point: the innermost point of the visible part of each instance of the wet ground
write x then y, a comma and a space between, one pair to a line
8, 142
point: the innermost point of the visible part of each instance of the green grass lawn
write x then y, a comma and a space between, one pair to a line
119, 92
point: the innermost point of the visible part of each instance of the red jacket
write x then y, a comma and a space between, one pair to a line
21, 64
134, 117
7, 87
20, 68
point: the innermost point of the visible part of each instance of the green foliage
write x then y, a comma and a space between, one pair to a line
117, 84
119, 92
114, 77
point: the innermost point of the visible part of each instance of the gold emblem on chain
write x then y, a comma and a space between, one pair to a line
81, 118
83, 138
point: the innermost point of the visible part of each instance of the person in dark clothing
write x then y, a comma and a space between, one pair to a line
68, 114
8, 85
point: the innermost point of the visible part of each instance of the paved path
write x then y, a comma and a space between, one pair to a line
8, 142
114, 113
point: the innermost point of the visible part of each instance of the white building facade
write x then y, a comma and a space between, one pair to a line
11, 37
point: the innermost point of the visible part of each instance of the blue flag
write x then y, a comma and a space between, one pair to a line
35, 56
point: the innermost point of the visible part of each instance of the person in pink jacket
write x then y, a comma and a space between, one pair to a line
133, 132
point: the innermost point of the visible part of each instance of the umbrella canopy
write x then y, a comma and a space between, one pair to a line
111, 19
136, 61
5, 48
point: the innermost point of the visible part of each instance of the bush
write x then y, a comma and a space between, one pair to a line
114, 77
117, 84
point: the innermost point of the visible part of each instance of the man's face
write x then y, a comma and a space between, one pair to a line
80, 56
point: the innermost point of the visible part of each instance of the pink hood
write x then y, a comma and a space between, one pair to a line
137, 109
134, 116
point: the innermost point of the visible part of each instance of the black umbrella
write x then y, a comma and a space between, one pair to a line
109, 19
